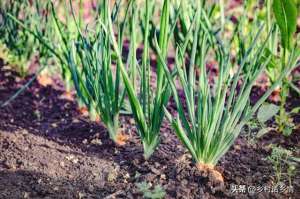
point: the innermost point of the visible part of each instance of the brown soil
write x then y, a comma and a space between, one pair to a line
48, 150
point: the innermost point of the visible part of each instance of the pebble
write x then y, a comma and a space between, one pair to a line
237, 147
126, 176
96, 141
163, 177
85, 141
24, 132
26, 195
81, 195
75, 161
62, 164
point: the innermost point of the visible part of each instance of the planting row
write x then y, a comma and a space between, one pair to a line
112, 79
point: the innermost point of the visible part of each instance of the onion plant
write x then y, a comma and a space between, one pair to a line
90, 61
52, 38
21, 45
186, 12
215, 113
88, 58
48, 38
64, 31
147, 105
61, 30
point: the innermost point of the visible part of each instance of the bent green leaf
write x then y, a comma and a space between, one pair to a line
285, 12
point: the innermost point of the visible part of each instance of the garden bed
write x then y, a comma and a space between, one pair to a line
49, 150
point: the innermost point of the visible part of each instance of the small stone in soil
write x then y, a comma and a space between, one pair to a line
96, 141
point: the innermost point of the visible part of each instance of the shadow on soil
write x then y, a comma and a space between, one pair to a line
31, 184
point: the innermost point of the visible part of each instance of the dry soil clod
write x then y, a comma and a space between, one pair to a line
214, 176
44, 80
121, 139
